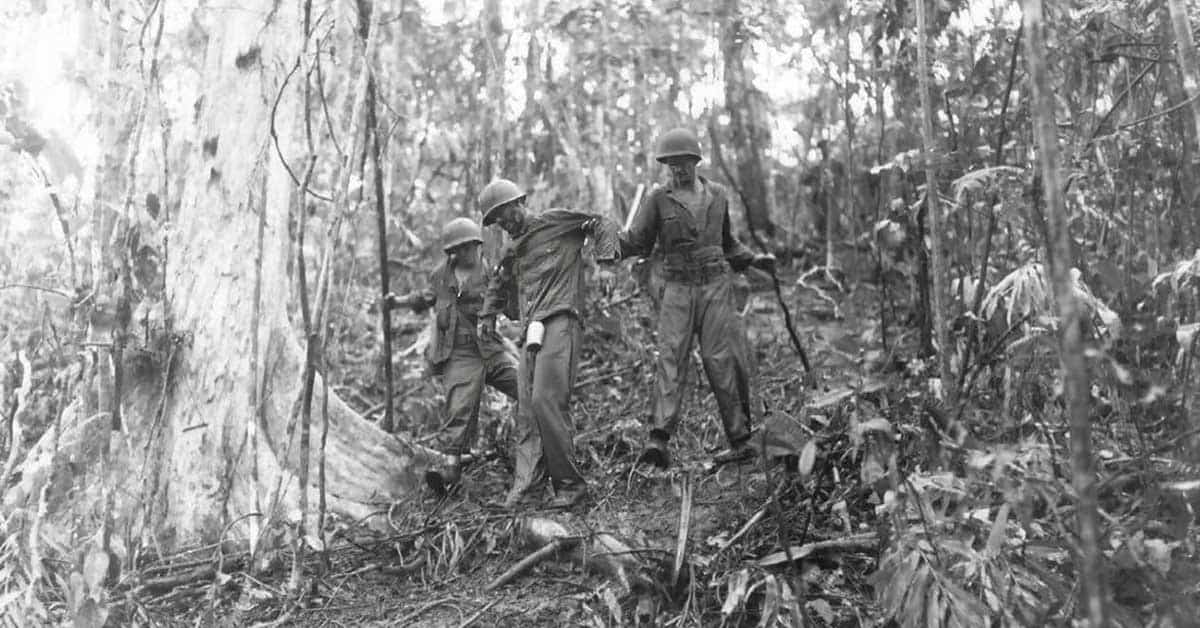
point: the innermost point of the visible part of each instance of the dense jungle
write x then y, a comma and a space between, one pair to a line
954, 304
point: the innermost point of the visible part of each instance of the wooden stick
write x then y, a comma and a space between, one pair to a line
553, 547
470, 620
746, 527
633, 209
863, 541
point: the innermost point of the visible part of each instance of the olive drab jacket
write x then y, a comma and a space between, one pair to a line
697, 244
541, 272
456, 309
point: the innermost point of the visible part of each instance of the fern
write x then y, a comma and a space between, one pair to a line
951, 562
915, 592
1184, 274
978, 180
1025, 293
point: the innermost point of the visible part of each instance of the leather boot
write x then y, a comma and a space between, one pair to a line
656, 452
445, 479
739, 453
570, 496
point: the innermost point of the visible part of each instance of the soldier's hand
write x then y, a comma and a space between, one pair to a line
764, 261
388, 300
487, 326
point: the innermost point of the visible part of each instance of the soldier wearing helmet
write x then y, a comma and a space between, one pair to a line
688, 219
465, 359
540, 282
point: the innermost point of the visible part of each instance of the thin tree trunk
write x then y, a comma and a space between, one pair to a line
310, 344
388, 424
851, 206
530, 161
1074, 367
1188, 65
746, 121
938, 271
310, 367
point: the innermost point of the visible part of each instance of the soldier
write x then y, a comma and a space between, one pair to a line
689, 219
465, 359
540, 281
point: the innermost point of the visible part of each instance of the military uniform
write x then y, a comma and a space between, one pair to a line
697, 300
540, 278
465, 359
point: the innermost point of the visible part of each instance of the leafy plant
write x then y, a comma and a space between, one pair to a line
1026, 293
1184, 274
950, 565
780, 605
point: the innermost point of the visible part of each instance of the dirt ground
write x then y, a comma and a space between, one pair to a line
434, 567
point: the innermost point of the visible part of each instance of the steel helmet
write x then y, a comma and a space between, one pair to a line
460, 231
677, 142
494, 195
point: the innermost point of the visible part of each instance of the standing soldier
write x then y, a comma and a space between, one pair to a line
540, 281
464, 359
689, 218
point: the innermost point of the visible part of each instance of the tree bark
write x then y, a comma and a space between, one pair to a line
937, 267
193, 423
1075, 375
1188, 65
747, 121
1189, 68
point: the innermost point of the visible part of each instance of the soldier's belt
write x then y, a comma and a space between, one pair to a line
696, 275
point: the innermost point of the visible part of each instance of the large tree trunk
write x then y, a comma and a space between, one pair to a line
937, 258
181, 469
747, 120
1075, 375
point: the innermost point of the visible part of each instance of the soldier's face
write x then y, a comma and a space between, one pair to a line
683, 169
466, 253
511, 218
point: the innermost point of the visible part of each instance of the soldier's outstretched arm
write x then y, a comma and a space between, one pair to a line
416, 301
500, 295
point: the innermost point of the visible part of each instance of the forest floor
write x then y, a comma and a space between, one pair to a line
434, 570
764, 544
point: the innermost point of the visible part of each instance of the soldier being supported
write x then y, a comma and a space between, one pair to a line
540, 281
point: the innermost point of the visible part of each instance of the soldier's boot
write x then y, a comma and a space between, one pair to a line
568, 496
743, 451
446, 478
656, 452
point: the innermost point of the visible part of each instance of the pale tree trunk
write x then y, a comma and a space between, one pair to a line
1075, 375
182, 448
747, 121
938, 271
